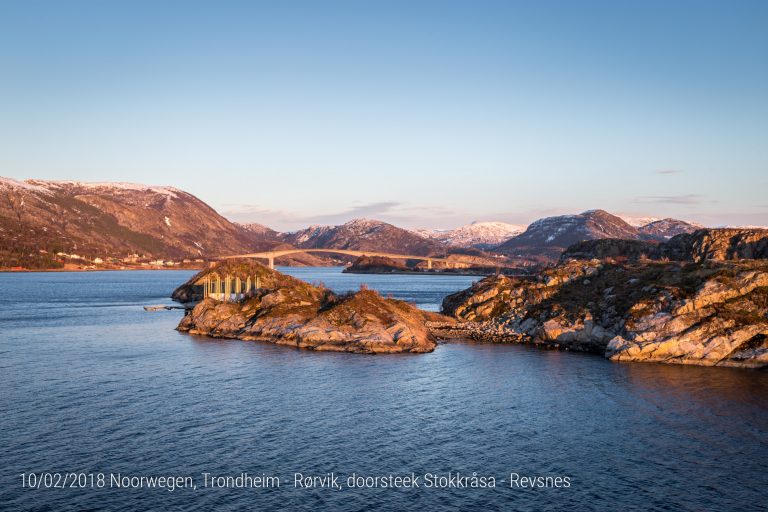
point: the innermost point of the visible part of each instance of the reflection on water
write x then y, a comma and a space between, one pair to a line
115, 388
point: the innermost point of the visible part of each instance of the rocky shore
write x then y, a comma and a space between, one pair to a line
288, 311
711, 313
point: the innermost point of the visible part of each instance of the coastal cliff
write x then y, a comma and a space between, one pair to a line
706, 313
287, 311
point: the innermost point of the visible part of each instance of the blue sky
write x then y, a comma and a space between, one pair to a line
428, 114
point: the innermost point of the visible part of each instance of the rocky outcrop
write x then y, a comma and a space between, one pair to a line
719, 244
706, 313
612, 248
287, 311
375, 265
724, 323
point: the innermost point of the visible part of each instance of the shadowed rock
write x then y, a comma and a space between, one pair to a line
704, 244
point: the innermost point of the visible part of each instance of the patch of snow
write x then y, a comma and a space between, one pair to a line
476, 233
364, 225
167, 221
137, 187
303, 235
558, 219
637, 220
11, 183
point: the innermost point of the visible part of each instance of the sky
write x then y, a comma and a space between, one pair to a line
424, 114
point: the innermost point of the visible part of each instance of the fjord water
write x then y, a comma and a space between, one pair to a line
90, 382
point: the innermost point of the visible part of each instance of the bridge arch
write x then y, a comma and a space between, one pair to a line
271, 255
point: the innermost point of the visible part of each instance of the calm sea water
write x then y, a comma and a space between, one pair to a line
91, 383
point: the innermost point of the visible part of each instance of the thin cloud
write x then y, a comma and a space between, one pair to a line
365, 210
686, 199
399, 214
669, 171
241, 211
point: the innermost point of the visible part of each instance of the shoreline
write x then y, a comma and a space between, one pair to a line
432, 273
42, 270
400, 272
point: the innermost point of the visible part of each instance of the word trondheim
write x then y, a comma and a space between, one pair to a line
241, 481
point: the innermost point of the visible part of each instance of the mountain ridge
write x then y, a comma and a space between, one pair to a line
42, 222
478, 234
550, 236
364, 234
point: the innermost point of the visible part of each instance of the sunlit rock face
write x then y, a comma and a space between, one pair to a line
706, 313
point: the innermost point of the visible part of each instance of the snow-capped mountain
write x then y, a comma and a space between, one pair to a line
665, 229
116, 219
480, 235
551, 235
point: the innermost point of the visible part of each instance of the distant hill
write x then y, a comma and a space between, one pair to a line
259, 229
666, 228
478, 235
550, 236
40, 218
364, 234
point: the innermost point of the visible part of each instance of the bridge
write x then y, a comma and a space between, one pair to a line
271, 255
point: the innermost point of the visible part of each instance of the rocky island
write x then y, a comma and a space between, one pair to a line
376, 265
705, 307
288, 311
